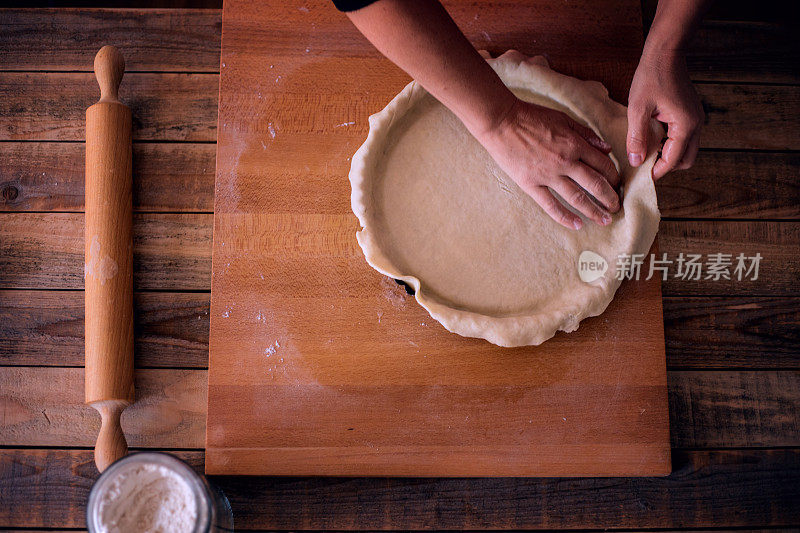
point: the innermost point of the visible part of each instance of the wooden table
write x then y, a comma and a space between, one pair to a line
733, 349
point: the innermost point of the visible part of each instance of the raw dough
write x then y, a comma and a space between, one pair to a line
484, 259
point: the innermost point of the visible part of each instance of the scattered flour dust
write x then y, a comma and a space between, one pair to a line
272, 349
148, 498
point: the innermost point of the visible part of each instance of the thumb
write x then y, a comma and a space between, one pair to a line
638, 127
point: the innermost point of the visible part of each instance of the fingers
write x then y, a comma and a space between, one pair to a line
595, 184
673, 151
591, 137
691, 152
577, 198
601, 163
554, 208
638, 128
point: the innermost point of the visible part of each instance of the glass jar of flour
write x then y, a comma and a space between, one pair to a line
154, 492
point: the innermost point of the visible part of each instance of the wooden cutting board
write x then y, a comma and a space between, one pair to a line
320, 365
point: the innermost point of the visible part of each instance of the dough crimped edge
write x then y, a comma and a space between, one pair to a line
587, 100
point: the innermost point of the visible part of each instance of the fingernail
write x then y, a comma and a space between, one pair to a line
606, 220
635, 159
577, 224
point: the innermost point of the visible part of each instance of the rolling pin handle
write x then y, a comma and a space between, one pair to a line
109, 67
111, 444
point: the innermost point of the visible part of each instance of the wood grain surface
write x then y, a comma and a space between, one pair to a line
178, 107
724, 489
740, 488
172, 251
708, 409
49, 176
162, 40
350, 375
744, 50
45, 328
166, 107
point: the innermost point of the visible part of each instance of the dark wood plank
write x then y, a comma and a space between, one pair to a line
749, 488
777, 242
49, 176
174, 40
45, 250
734, 185
46, 328
746, 10
52, 106
182, 107
178, 40
180, 177
760, 52
169, 411
732, 332
764, 117
716, 409
749, 10
706, 489
734, 409
50, 488
138, 4
172, 252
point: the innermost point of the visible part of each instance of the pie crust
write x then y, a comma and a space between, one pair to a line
483, 258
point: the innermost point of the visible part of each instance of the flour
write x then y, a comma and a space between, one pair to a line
147, 498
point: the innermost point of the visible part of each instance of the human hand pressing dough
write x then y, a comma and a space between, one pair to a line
542, 149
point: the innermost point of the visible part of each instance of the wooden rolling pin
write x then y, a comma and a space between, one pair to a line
108, 270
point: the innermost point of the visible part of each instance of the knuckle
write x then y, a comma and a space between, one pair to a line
635, 137
577, 198
564, 217
602, 195
573, 153
553, 205
595, 188
571, 143
572, 149
561, 158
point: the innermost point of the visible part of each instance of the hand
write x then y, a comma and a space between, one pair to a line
661, 89
539, 148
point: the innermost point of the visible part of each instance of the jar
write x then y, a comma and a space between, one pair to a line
152, 490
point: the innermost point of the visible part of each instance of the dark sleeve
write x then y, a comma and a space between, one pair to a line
351, 5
